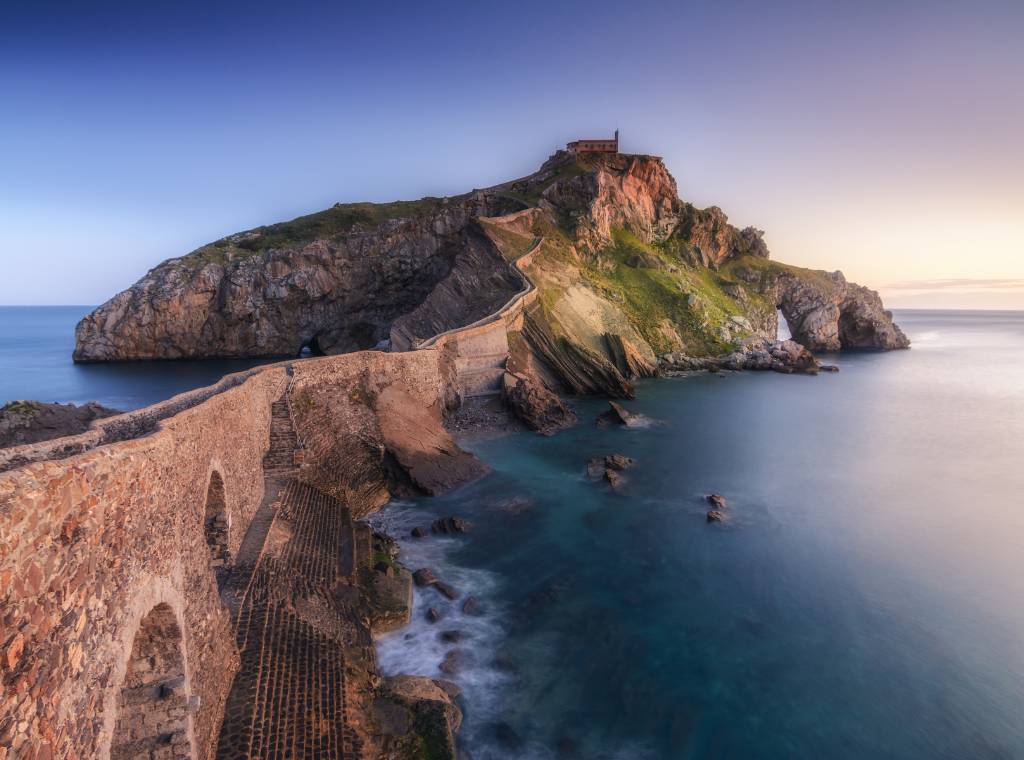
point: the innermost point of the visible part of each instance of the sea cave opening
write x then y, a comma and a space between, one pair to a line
782, 331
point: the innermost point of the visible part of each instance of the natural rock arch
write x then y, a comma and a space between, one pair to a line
216, 524
153, 703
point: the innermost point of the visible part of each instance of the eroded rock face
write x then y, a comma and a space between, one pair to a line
826, 313
333, 285
535, 405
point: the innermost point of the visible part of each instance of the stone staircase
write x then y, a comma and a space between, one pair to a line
296, 628
279, 460
295, 634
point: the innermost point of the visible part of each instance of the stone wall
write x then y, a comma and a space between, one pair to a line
91, 544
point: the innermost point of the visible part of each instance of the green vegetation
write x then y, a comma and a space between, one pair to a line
330, 224
690, 299
769, 270
432, 736
19, 407
303, 403
387, 559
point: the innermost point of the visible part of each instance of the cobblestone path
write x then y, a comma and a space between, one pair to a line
291, 597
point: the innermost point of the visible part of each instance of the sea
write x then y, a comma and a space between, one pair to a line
36, 343
864, 598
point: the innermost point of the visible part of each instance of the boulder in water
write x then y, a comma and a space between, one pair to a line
445, 590
448, 525
716, 500
424, 577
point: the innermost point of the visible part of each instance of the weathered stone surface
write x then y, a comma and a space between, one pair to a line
627, 359
786, 356
417, 717
532, 403
333, 282
618, 415
372, 425
448, 525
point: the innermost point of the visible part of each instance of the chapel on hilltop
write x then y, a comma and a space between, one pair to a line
602, 145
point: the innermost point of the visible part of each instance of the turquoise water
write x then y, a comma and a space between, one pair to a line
864, 601
35, 363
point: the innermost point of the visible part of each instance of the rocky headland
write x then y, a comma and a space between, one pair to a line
629, 277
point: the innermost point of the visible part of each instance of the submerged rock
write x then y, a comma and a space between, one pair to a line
432, 615
449, 525
716, 516
445, 590
614, 479
454, 661
418, 532
716, 500
507, 737
617, 415
471, 606
618, 462
424, 577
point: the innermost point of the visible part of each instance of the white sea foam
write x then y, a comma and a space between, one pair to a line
418, 649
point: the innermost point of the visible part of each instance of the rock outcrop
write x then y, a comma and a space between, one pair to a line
330, 282
417, 717
24, 422
824, 312
784, 356
532, 403
624, 269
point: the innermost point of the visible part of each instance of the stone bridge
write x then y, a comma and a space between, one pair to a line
139, 560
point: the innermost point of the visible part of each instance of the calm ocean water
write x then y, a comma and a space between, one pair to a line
35, 363
864, 602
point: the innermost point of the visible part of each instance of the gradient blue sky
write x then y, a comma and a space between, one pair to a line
881, 138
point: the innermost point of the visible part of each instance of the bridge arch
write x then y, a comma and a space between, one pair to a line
217, 522
152, 704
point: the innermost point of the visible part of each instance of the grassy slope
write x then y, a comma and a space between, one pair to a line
329, 224
689, 301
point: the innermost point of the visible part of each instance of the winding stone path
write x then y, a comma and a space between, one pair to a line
295, 623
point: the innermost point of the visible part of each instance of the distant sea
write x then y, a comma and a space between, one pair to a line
35, 363
866, 599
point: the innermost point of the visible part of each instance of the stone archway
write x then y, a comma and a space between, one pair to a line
153, 704
216, 525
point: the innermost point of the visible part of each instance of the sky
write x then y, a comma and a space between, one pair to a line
885, 139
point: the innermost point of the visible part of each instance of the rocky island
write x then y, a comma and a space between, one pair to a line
194, 579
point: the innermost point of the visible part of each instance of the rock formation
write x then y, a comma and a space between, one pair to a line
33, 421
624, 271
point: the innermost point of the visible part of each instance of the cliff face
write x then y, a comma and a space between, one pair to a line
332, 282
615, 255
